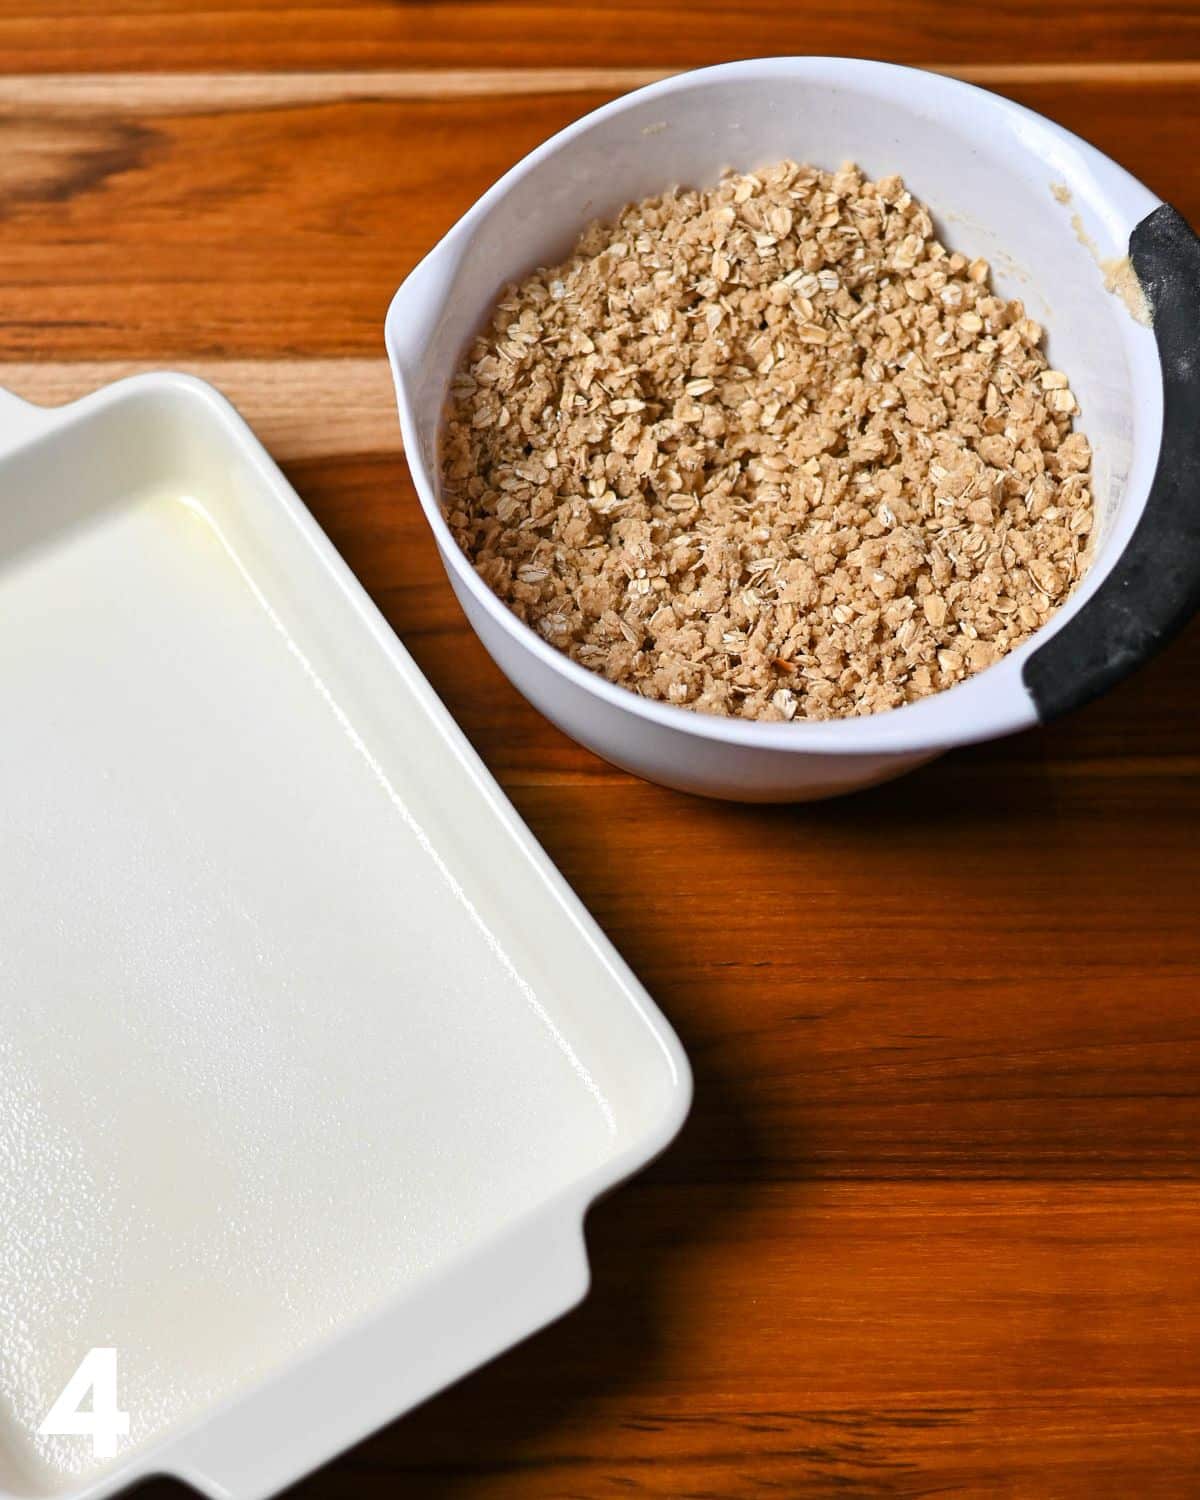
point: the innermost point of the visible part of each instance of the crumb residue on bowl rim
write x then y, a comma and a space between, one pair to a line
1119, 276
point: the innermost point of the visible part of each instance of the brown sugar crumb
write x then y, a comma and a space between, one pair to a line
770, 450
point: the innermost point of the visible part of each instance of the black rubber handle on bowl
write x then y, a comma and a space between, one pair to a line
1155, 587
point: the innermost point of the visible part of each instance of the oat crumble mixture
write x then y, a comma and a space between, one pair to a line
770, 450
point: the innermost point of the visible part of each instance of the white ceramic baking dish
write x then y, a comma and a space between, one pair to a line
1044, 207
310, 1062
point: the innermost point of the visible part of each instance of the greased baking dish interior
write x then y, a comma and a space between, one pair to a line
310, 1062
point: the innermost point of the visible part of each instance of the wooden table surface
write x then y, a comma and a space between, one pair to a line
933, 1226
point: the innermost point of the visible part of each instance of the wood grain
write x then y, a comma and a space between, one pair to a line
875, 1340
202, 93
932, 1227
52, 35
300, 408
269, 229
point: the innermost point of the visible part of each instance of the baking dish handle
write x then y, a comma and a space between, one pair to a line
20, 420
1154, 589
322, 1404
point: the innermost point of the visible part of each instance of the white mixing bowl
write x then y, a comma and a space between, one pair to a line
1042, 206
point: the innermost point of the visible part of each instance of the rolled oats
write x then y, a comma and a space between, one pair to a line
770, 450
